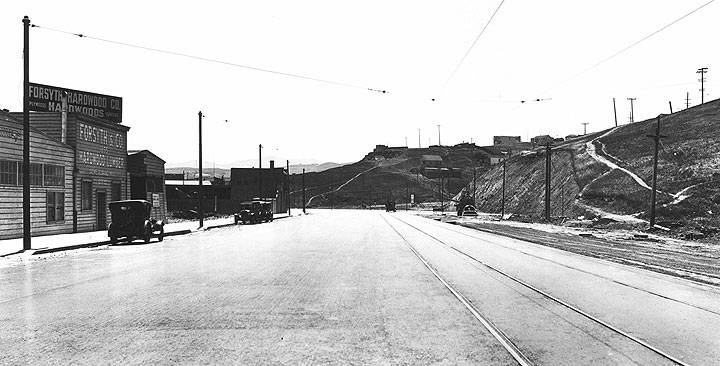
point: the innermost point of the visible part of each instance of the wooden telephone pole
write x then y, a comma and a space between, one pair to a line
657, 138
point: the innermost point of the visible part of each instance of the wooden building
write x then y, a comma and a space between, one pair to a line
147, 180
51, 172
97, 169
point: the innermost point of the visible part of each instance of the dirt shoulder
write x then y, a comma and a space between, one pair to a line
690, 260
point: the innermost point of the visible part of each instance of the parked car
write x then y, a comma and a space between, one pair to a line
131, 220
469, 210
390, 206
254, 211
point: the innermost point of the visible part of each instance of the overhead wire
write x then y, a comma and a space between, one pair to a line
472, 45
212, 60
633, 44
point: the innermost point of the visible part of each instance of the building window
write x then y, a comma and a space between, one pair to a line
8, 172
115, 191
86, 194
53, 175
36, 174
55, 207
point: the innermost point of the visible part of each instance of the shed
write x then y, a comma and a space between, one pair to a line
147, 180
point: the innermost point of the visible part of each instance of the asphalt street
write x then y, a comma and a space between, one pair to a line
349, 287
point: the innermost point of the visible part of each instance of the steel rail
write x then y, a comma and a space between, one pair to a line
502, 338
553, 298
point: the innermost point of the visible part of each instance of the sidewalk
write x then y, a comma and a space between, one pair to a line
60, 242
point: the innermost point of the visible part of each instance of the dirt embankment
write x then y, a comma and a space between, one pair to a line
609, 174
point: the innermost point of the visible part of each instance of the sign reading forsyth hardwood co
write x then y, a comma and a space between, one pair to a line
45, 98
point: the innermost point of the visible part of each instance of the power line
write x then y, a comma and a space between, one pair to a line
207, 59
457, 67
606, 59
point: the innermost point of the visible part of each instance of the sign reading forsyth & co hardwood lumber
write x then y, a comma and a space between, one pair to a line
46, 98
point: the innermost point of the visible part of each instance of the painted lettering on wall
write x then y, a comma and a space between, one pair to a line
10, 133
100, 136
45, 98
101, 160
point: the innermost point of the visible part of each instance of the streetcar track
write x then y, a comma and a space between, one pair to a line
537, 290
615, 248
581, 270
515, 353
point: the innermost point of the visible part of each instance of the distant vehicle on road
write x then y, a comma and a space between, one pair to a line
469, 210
131, 220
390, 206
254, 212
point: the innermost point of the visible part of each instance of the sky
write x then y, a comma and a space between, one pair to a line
546, 50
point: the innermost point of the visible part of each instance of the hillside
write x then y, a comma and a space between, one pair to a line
608, 174
391, 174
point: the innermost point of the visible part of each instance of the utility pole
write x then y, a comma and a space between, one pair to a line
303, 184
438, 126
502, 209
407, 194
548, 151
670, 102
632, 111
260, 171
615, 112
200, 174
474, 185
419, 145
585, 127
406, 145
26, 134
657, 138
287, 184
687, 100
702, 71
442, 200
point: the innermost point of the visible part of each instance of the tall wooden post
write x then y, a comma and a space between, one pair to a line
26, 134
548, 151
201, 213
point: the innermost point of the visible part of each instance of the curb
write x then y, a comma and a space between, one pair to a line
107, 242
97, 244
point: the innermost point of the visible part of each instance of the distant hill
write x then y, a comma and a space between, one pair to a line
218, 171
390, 174
608, 174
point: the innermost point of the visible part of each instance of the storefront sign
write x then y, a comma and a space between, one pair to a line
45, 98
101, 136
101, 160
156, 199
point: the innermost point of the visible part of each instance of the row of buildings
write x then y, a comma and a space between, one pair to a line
79, 161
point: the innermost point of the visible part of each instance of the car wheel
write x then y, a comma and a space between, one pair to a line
113, 240
147, 235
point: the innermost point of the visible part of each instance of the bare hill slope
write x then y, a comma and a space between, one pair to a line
609, 174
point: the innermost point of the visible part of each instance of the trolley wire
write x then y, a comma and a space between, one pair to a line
212, 60
472, 45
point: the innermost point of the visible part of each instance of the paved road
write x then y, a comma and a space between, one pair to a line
355, 287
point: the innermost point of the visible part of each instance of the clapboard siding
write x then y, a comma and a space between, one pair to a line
44, 150
144, 166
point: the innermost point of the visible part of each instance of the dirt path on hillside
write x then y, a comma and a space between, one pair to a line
340, 186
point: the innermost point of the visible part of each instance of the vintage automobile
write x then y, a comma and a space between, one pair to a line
131, 220
390, 206
469, 210
254, 212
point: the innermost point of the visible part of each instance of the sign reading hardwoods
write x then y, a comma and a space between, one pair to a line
45, 98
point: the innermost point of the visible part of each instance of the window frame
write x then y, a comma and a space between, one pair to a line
83, 192
54, 207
